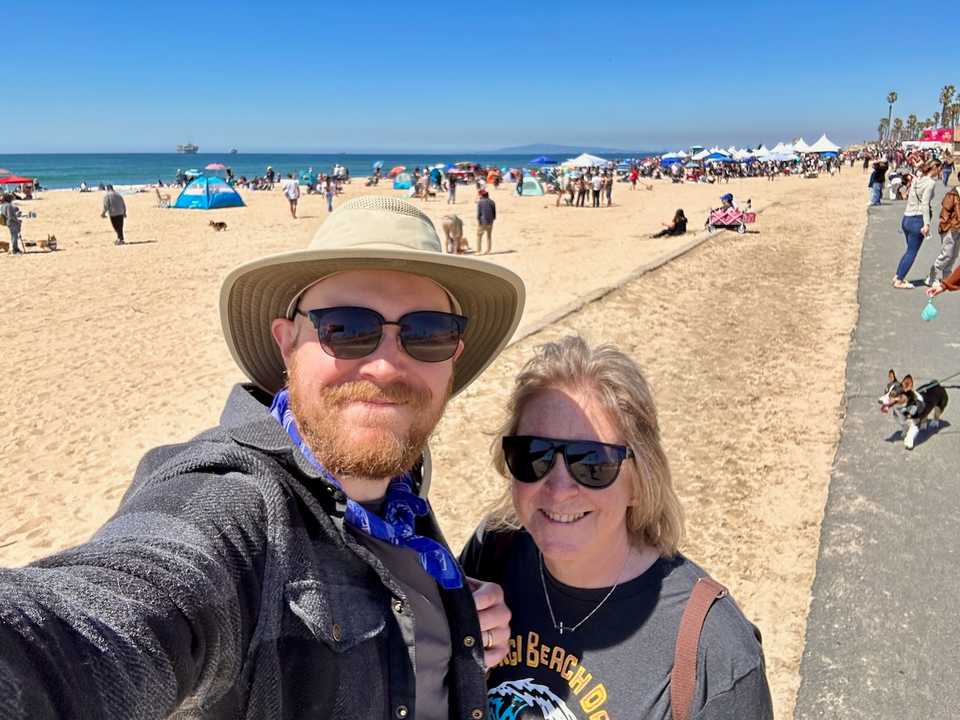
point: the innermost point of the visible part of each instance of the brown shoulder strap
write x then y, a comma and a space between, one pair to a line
683, 678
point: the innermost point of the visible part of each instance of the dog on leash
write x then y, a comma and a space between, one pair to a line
915, 408
453, 230
218, 226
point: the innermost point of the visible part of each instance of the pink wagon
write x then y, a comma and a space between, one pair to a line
730, 218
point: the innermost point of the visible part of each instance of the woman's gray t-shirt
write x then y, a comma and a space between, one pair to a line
618, 663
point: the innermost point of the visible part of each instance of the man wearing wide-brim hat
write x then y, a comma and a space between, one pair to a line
286, 563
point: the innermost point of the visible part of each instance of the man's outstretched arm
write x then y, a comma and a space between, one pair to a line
158, 606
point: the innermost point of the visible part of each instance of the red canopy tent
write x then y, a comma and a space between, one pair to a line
14, 180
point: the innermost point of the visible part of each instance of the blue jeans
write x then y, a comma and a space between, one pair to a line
947, 172
329, 202
875, 190
911, 225
14, 239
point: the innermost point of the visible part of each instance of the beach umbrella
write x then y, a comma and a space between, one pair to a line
15, 180
378, 164
4, 172
215, 166
396, 170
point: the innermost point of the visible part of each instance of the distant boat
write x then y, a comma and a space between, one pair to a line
188, 149
233, 151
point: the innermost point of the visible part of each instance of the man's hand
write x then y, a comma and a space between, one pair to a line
494, 620
925, 230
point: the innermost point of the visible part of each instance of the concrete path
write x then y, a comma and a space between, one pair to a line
883, 636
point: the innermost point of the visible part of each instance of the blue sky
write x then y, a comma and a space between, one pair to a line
355, 75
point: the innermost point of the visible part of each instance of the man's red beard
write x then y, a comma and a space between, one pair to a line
317, 409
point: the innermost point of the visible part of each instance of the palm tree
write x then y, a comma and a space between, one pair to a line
912, 126
891, 99
936, 119
897, 129
946, 95
881, 129
955, 114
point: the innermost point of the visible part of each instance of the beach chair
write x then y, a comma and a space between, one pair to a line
163, 200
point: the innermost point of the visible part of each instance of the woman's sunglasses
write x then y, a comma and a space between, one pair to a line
592, 464
349, 333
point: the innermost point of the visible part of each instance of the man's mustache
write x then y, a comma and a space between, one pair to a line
366, 391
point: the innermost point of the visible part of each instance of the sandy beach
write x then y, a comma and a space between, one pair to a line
110, 351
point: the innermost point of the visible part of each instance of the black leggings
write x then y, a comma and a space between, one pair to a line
117, 222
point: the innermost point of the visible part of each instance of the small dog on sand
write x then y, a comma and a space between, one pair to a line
218, 226
914, 408
4, 246
453, 230
49, 244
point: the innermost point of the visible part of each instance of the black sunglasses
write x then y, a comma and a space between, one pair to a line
349, 333
592, 464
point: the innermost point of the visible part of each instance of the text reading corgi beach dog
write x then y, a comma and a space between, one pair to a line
914, 408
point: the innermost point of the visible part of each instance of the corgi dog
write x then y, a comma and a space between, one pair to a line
915, 408
218, 226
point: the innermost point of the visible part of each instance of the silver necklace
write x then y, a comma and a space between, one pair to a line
561, 627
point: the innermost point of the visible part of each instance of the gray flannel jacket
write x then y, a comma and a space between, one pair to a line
224, 587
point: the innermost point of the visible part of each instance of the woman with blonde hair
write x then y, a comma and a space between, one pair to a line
585, 545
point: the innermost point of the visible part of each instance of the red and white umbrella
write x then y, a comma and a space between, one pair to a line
216, 166
396, 171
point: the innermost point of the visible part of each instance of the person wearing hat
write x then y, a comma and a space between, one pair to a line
287, 564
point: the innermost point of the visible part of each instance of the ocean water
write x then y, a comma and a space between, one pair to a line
68, 170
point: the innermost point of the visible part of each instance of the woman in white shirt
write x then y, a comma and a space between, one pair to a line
916, 220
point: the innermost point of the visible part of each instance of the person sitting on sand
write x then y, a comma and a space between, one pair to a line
677, 227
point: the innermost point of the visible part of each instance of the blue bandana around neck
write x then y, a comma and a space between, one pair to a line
400, 509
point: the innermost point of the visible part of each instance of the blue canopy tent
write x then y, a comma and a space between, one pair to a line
718, 157
542, 160
670, 161
208, 193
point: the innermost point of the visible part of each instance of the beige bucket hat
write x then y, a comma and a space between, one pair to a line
368, 233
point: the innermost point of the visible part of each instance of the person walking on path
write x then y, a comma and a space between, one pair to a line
597, 184
291, 191
451, 189
948, 165
875, 183
295, 540
916, 220
116, 208
949, 228
486, 214
10, 216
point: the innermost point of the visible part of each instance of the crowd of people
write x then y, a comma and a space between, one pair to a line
913, 175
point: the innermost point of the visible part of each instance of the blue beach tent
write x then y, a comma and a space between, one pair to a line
208, 193
403, 181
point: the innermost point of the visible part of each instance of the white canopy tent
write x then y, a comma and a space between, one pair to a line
824, 144
586, 160
801, 146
